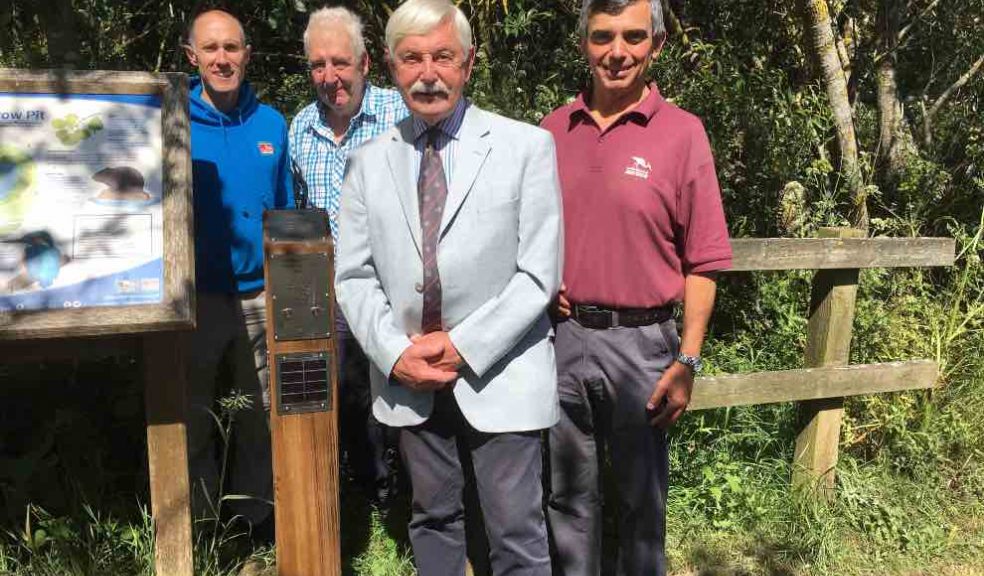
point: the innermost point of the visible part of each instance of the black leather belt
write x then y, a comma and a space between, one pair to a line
592, 316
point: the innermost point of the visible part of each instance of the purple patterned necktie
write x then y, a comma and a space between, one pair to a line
432, 191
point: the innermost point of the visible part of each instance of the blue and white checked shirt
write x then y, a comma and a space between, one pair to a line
447, 139
322, 161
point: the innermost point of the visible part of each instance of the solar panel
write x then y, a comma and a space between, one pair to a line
303, 382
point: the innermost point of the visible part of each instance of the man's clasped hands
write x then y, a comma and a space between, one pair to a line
430, 363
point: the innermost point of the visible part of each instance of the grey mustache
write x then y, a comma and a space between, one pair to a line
437, 88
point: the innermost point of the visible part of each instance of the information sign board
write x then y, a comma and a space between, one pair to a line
95, 216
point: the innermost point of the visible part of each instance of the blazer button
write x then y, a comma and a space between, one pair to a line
419, 288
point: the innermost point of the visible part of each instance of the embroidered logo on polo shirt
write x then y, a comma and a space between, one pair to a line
640, 168
265, 148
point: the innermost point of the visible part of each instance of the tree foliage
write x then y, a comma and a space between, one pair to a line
747, 68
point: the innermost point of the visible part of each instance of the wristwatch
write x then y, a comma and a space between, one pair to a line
692, 362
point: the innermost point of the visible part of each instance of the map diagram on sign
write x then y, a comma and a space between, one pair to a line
80, 201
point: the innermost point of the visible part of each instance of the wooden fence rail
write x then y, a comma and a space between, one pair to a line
837, 255
812, 384
826, 253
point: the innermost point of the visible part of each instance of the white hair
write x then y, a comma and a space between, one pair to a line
332, 19
419, 17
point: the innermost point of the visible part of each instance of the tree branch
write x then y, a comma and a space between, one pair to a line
845, 46
974, 69
904, 33
905, 29
938, 104
121, 48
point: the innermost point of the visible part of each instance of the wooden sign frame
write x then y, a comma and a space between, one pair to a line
176, 311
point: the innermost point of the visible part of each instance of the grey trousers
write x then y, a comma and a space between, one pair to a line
362, 437
508, 477
605, 379
230, 341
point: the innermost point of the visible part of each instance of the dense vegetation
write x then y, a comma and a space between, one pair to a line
911, 478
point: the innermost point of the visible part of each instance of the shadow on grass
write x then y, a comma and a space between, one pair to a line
762, 558
374, 540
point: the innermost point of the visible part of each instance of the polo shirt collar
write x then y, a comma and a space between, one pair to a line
449, 126
643, 111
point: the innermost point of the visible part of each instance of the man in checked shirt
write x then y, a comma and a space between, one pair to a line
348, 112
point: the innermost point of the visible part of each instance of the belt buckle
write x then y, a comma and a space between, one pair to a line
611, 316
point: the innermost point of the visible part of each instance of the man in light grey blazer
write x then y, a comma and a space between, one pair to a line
449, 253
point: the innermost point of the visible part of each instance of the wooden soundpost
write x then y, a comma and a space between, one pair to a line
300, 300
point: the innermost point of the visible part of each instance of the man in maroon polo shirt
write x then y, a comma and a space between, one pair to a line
644, 229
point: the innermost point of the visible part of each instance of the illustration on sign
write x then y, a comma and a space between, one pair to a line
80, 201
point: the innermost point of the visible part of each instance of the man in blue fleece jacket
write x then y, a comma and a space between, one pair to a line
239, 166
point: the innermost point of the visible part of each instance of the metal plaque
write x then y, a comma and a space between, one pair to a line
296, 225
303, 383
299, 292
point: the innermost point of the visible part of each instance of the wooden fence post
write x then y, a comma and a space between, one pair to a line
828, 343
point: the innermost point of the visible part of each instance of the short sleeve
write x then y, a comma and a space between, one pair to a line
702, 239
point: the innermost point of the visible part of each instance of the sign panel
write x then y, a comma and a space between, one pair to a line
96, 228
80, 201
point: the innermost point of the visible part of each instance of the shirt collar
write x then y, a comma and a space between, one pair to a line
642, 112
369, 101
367, 108
448, 126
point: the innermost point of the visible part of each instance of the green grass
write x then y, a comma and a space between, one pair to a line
881, 522
383, 555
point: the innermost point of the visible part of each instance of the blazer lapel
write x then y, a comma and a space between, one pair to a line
473, 149
400, 156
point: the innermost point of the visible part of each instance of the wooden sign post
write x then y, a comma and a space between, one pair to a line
303, 391
96, 249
